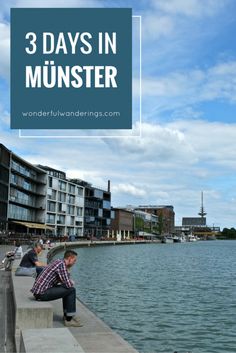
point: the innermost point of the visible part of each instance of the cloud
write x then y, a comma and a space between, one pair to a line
129, 189
156, 26
193, 8
185, 88
159, 144
213, 143
4, 50
5, 118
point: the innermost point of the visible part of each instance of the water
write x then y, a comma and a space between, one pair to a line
164, 297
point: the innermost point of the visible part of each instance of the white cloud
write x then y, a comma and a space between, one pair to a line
128, 189
213, 142
156, 26
94, 177
193, 8
4, 117
4, 49
189, 87
160, 144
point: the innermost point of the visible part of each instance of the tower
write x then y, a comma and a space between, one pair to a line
202, 212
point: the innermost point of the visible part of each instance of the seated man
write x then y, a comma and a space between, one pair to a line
10, 256
30, 264
55, 283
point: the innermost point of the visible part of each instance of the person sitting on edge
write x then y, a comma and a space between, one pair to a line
30, 264
55, 283
10, 256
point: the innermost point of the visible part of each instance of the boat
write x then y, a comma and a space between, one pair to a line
179, 239
192, 238
167, 239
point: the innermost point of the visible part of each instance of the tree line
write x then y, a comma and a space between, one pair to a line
228, 233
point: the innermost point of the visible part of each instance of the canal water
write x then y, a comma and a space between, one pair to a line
164, 297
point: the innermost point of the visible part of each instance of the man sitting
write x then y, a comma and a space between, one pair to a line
55, 283
30, 264
10, 256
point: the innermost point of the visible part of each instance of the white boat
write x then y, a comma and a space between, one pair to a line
192, 238
168, 239
179, 239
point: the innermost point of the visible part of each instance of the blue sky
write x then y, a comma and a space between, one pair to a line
188, 141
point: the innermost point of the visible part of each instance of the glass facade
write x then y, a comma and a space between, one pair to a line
24, 170
21, 213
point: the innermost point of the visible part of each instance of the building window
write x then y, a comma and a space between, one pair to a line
21, 213
79, 223
50, 182
71, 188
62, 185
80, 191
51, 206
98, 193
62, 196
71, 199
79, 211
60, 219
106, 204
51, 218
61, 207
70, 209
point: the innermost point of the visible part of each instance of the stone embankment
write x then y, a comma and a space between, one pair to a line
39, 325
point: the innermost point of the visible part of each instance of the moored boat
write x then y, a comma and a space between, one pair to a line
168, 239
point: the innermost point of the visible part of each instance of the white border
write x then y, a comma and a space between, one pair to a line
140, 103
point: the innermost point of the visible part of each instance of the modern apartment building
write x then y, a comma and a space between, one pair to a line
64, 204
97, 209
4, 185
39, 199
23, 193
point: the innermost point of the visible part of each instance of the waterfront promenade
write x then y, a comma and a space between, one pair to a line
94, 337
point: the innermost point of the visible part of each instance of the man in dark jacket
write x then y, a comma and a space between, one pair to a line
30, 263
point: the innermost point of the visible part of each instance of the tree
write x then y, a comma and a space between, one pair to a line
139, 224
229, 233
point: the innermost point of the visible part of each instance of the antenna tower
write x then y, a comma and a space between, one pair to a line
202, 212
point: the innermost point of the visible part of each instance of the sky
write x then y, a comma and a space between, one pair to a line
188, 141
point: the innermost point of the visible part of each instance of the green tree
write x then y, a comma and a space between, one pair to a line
139, 223
229, 233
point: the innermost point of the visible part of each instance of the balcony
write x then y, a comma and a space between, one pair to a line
28, 174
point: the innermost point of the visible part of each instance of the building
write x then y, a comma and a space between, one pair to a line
97, 210
129, 222
23, 194
194, 221
122, 224
166, 216
198, 225
64, 204
5, 158
39, 199
145, 222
